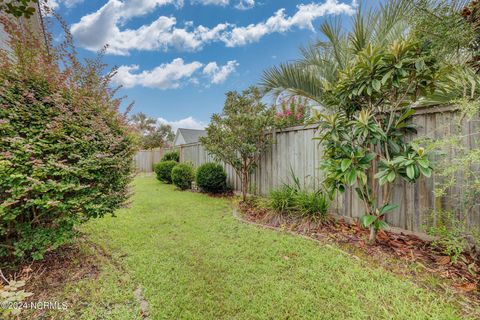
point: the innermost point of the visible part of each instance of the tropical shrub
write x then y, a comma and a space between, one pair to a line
171, 156
211, 178
164, 170
367, 80
66, 153
182, 176
237, 135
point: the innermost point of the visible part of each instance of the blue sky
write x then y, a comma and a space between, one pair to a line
177, 58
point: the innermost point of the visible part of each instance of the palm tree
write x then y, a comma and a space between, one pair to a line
320, 63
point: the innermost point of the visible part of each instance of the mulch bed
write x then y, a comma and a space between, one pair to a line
48, 277
395, 251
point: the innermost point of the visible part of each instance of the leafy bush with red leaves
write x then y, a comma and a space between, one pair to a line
66, 153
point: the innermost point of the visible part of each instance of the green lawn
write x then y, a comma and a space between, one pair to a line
193, 260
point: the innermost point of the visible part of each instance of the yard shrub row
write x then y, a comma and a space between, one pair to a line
210, 177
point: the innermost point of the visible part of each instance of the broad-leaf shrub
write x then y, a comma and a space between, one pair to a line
182, 176
65, 150
211, 178
164, 170
171, 156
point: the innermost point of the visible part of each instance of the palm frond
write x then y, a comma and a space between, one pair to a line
295, 80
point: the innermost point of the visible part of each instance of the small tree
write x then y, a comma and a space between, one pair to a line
152, 134
237, 135
364, 141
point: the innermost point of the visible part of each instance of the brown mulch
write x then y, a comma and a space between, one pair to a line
47, 278
395, 251
65, 265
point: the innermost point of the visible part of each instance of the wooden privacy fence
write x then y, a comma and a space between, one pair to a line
295, 153
145, 159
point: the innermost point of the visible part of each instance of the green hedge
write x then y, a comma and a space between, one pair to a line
182, 176
164, 170
171, 156
211, 177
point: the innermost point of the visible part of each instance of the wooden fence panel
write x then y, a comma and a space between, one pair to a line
296, 153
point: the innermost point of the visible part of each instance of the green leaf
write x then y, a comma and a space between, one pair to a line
411, 172
427, 172
362, 176
345, 164
388, 208
367, 220
380, 224
351, 177
406, 115
391, 176
424, 163
377, 85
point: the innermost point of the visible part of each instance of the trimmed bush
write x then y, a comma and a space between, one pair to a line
171, 156
182, 176
164, 170
211, 178
66, 153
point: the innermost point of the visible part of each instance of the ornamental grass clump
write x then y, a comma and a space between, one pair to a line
66, 153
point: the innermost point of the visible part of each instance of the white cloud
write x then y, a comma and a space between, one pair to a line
104, 26
211, 2
166, 76
280, 22
187, 123
219, 74
172, 75
245, 4
54, 4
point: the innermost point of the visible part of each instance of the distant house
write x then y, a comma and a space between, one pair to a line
186, 136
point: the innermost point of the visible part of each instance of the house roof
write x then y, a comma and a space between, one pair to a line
191, 135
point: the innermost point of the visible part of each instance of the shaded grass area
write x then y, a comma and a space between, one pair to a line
193, 260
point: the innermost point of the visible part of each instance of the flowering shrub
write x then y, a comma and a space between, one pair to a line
66, 153
293, 112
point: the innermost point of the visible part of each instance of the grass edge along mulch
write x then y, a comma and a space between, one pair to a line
421, 264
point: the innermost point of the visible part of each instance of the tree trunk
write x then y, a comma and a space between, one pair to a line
244, 185
373, 235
